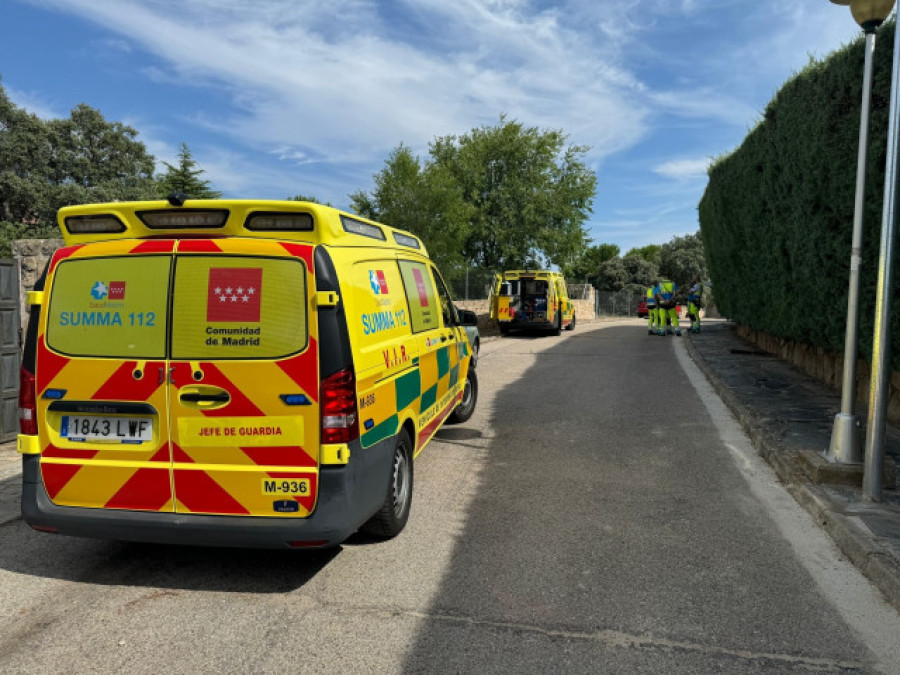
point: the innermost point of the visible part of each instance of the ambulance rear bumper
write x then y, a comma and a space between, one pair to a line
335, 517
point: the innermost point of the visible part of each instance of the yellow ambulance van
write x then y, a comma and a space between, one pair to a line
234, 373
536, 300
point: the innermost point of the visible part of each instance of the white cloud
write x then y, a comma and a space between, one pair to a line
33, 103
328, 88
683, 168
330, 76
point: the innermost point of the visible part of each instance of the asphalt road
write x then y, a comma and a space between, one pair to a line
600, 513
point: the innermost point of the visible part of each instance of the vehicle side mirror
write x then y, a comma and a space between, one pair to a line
467, 317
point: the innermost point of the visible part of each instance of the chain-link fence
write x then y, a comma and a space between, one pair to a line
471, 284
579, 291
617, 304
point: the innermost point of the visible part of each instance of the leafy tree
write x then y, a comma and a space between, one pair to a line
185, 178
304, 198
45, 165
631, 274
650, 253
505, 196
682, 257
587, 266
424, 200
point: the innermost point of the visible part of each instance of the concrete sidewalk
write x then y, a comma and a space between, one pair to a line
788, 417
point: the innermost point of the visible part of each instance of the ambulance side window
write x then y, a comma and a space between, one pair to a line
448, 310
420, 295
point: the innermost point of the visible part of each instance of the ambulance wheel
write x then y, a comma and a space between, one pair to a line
466, 407
557, 330
571, 326
504, 329
391, 518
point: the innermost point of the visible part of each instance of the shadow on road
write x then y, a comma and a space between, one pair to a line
109, 563
93, 561
608, 512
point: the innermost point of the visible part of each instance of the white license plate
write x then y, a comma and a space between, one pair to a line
109, 429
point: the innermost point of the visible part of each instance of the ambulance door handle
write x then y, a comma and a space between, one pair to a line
205, 397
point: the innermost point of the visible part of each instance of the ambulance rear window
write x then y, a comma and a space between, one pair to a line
110, 307
233, 307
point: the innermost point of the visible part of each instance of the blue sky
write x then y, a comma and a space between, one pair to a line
280, 97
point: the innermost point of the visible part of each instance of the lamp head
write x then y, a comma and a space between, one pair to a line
869, 14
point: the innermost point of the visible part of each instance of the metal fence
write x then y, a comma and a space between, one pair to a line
579, 291
616, 304
471, 284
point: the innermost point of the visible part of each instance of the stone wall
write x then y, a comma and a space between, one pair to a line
825, 366
31, 257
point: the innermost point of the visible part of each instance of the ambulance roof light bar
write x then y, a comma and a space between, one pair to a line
94, 224
170, 219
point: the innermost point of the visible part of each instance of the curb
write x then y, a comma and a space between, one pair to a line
849, 534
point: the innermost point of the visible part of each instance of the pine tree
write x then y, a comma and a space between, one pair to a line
185, 178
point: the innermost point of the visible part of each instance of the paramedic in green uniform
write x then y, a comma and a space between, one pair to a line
665, 301
695, 302
651, 310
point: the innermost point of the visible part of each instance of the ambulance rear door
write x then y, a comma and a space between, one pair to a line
100, 377
243, 379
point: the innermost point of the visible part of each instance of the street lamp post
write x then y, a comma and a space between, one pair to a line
845, 446
880, 383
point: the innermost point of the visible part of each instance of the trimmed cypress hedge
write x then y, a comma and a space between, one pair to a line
776, 218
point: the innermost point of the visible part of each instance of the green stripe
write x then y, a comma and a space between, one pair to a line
454, 376
384, 430
443, 361
408, 388
428, 398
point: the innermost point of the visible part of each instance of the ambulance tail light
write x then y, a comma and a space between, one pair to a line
340, 419
27, 403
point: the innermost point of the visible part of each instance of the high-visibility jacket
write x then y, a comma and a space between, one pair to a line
696, 293
651, 297
666, 290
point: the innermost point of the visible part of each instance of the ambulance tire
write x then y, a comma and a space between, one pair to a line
466, 407
571, 326
504, 329
557, 330
391, 518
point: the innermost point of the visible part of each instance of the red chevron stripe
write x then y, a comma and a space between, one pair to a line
291, 455
57, 476
154, 246
162, 455
198, 246
179, 455
121, 385
201, 494
49, 365
304, 370
60, 255
147, 490
304, 251
239, 406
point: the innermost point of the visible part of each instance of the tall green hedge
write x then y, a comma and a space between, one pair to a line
777, 215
